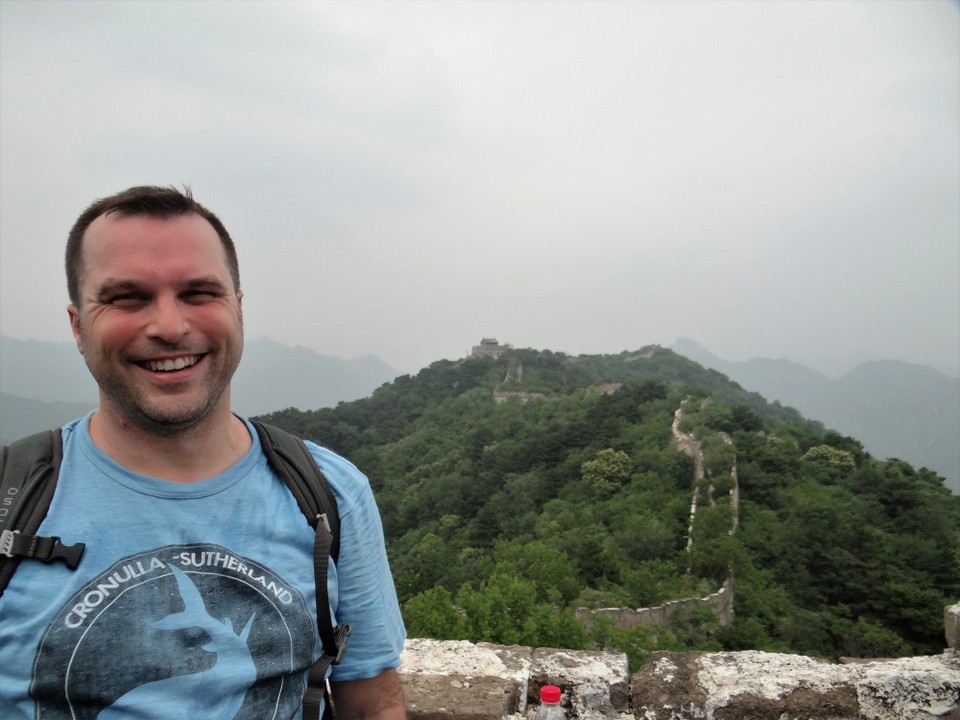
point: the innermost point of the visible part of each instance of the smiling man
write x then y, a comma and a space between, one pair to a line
157, 316
196, 594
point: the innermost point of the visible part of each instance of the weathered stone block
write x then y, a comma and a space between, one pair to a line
917, 688
802, 703
457, 679
595, 684
667, 686
951, 625
731, 686
459, 697
441, 657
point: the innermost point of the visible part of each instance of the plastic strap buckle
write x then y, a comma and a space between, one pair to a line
6, 542
340, 634
70, 554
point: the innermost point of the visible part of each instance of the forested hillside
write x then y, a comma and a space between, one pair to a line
518, 489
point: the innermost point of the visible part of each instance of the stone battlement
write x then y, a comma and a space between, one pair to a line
489, 347
720, 603
458, 680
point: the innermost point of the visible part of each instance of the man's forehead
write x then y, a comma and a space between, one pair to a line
113, 233
115, 245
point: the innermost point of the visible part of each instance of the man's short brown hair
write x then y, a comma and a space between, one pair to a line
149, 200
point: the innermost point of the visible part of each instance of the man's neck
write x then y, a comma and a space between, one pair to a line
197, 453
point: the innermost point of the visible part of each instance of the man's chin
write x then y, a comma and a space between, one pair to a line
171, 420
169, 426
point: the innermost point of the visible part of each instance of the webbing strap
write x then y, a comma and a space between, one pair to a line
14, 544
334, 639
292, 460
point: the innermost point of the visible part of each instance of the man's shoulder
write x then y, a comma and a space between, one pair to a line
342, 474
75, 426
344, 478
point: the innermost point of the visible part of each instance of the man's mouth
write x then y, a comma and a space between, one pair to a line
171, 364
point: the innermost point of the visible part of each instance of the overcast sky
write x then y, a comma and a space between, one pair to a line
773, 179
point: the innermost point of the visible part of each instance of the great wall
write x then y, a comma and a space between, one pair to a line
719, 603
458, 680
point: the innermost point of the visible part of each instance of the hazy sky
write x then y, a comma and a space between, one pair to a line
775, 179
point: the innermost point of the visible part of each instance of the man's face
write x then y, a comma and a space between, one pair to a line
159, 323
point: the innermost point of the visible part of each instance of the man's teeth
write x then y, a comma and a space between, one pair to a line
168, 365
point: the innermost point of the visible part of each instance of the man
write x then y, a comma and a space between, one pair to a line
195, 598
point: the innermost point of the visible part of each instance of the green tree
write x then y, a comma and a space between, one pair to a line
833, 462
504, 610
432, 614
870, 640
607, 472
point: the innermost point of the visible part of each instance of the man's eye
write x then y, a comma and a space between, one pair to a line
127, 300
200, 296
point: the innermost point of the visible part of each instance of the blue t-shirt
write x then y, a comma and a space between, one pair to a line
193, 600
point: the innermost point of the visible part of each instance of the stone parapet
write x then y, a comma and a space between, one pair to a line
951, 625
450, 680
458, 680
685, 686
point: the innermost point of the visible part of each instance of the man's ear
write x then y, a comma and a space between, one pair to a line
74, 314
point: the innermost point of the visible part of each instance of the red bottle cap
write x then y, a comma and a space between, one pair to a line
550, 694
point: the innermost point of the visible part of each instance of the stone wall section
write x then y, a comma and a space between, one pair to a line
734, 686
720, 603
458, 680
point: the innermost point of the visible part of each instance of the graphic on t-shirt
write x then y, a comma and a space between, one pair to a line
185, 631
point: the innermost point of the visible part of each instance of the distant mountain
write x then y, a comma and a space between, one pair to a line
20, 416
49, 371
48, 382
273, 376
894, 408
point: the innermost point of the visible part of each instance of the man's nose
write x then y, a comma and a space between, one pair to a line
169, 320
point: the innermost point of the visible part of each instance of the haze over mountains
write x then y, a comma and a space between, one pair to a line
44, 384
895, 409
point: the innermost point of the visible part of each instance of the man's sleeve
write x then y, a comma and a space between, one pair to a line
361, 586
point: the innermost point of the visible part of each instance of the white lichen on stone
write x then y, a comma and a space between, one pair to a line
917, 688
767, 675
597, 668
666, 669
443, 657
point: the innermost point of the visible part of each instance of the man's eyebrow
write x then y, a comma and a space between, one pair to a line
207, 282
110, 286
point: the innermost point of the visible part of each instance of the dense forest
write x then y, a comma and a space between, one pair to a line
515, 490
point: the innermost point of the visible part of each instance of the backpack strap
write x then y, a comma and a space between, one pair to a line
29, 470
290, 458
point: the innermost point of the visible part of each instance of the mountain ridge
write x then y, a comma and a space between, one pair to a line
47, 383
895, 408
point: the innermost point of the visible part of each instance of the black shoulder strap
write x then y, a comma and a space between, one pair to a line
29, 469
290, 458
